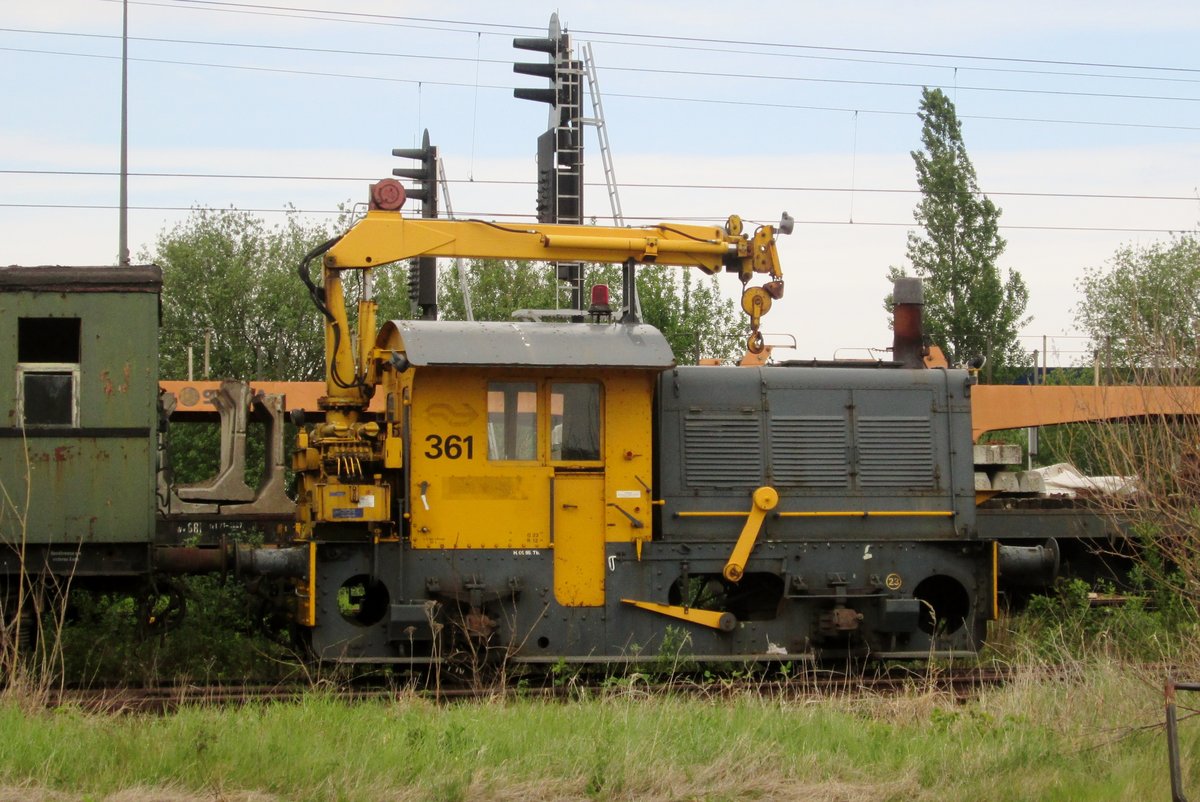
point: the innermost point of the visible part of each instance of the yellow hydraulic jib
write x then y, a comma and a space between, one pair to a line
725, 622
388, 236
765, 499
385, 236
642, 245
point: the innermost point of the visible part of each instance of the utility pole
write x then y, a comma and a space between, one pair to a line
123, 214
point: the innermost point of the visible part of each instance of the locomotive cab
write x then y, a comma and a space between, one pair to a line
527, 437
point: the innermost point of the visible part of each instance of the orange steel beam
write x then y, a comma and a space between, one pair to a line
993, 406
1009, 406
195, 397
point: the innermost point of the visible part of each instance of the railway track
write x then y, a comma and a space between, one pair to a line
960, 684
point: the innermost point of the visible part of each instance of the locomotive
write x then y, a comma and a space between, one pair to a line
567, 492
545, 492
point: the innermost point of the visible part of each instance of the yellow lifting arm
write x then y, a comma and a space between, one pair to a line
765, 500
383, 237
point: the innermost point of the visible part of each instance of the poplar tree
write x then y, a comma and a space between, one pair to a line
971, 310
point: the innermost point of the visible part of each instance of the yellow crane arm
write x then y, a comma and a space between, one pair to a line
388, 236
385, 235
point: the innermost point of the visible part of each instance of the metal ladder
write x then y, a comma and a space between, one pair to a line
597, 119
610, 176
569, 134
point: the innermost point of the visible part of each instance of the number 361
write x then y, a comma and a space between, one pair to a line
451, 446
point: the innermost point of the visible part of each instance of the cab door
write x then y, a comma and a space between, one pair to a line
578, 513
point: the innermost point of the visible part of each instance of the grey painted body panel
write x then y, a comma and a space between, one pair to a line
516, 588
829, 440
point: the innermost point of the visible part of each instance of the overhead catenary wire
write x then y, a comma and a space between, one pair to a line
712, 46
507, 28
690, 73
479, 216
644, 40
852, 189
628, 95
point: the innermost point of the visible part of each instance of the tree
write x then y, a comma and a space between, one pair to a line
691, 314
230, 278
970, 310
498, 288
1142, 311
229, 275
687, 309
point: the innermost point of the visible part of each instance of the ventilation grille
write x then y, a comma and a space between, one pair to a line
895, 452
722, 451
809, 452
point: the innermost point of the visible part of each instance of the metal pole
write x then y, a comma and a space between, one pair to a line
1108, 371
123, 214
1045, 358
1176, 771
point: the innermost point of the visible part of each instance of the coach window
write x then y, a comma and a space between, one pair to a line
48, 371
575, 421
512, 421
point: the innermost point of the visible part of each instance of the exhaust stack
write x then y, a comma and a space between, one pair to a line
908, 329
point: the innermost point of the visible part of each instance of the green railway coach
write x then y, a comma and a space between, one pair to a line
79, 405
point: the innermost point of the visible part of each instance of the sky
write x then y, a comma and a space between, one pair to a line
1082, 121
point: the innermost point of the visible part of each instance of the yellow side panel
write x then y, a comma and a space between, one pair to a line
579, 540
306, 592
460, 500
628, 455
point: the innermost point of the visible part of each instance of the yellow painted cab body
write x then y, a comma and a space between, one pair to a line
527, 437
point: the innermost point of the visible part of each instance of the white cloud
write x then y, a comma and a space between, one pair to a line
835, 269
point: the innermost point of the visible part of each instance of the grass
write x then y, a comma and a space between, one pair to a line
1096, 735
1095, 732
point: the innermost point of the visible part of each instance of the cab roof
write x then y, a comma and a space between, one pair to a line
452, 343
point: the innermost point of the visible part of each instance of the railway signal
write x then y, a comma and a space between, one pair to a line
557, 46
560, 146
422, 272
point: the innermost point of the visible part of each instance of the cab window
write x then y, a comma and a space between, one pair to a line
512, 421
574, 421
